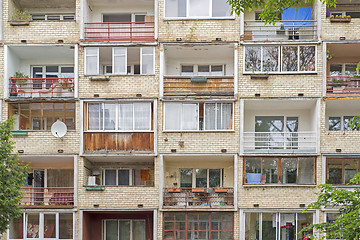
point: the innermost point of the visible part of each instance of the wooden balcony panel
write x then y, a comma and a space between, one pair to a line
223, 86
116, 142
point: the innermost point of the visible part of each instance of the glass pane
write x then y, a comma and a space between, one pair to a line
266, 124
189, 116
33, 224
307, 58
138, 230
199, 8
187, 70
350, 69
201, 178
210, 116
269, 124
49, 225
120, 61
346, 126
289, 170
110, 177
335, 69
111, 230
109, 116
204, 70
268, 226
66, 226
142, 116
186, 178
270, 59
334, 171
123, 177
91, 61
303, 220
173, 116
306, 170
95, 116
147, 60
16, 228
334, 123
287, 226
214, 177
253, 170
217, 70
270, 170
351, 168
220, 8
126, 116
253, 59
175, 8
124, 229
289, 59
226, 116
252, 226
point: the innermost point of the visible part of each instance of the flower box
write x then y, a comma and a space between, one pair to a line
346, 20
19, 23
260, 76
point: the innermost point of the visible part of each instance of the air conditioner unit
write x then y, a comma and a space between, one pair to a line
92, 181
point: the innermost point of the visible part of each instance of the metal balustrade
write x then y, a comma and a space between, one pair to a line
47, 196
343, 85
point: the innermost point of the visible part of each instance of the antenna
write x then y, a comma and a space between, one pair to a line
58, 129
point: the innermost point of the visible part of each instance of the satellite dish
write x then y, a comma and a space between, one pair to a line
58, 129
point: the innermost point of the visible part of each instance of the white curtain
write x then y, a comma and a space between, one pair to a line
189, 116
109, 116
91, 59
126, 116
119, 61
142, 113
210, 116
147, 60
94, 116
172, 116
226, 112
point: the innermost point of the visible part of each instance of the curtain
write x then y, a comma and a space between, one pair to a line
119, 60
142, 113
92, 64
109, 116
210, 116
126, 116
226, 112
124, 229
147, 60
60, 178
172, 116
111, 230
189, 116
95, 116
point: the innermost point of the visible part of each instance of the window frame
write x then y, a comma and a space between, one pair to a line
279, 171
343, 68
198, 120
187, 17
342, 171
103, 226
193, 176
342, 123
62, 17
151, 116
103, 177
280, 60
196, 70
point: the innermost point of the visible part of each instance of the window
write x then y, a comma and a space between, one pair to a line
340, 124
343, 69
198, 225
120, 61
274, 225
40, 116
42, 226
276, 59
49, 17
198, 116
341, 171
280, 170
124, 229
202, 70
201, 178
197, 9
126, 177
119, 116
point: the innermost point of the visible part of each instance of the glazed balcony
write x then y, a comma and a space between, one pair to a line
41, 87
47, 197
198, 197
119, 31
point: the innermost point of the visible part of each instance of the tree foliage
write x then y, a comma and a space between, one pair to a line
271, 9
347, 202
12, 177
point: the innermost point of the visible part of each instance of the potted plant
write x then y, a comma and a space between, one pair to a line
340, 18
18, 83
20, 18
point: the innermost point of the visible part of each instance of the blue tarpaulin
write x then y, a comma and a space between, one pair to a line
302, 16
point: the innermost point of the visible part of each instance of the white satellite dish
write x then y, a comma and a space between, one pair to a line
58, 129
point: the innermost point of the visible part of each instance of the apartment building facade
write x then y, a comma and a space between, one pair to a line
184, 121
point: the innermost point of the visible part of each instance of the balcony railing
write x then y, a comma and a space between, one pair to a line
120, 31
181, 85
280, 31
343, 85
199, 197
49, 196
282, 142
41, 87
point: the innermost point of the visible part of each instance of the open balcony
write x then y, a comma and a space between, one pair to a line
293, 25
343, 75
199, 70
40, 72
199, 185
109, 22
49, 184
291, 128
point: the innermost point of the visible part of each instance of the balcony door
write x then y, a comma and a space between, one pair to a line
38, 184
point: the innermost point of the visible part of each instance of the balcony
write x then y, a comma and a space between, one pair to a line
199, 197
47, 197
41, 87
284, 30
284, 142
221, 86
120, 31
343, 85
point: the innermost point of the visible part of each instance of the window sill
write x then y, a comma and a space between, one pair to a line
197, 18
106, 131
279, 185
115, 186
117, 75
198, 131
281, 73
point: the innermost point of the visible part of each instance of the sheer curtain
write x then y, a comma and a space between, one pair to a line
210, 116
142, 116
95, 116
189, 116
172, 116
226, 112
126, 116
110, 116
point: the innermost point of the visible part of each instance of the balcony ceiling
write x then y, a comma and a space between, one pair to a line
199, 51
280, 104
116, 3
46, 4
38, 52
344, 50
46, 159
119, 158
199, 158
343, 105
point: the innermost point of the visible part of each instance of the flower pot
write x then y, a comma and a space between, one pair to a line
19, 23
346, 20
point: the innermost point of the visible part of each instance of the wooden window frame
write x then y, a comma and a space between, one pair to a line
342, 170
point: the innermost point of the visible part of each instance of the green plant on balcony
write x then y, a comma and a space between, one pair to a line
21, 15
337, 80
20, 77
329, 56
340, 16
